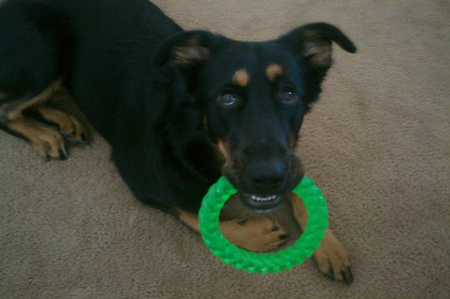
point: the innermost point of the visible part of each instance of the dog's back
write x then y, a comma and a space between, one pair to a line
95, 47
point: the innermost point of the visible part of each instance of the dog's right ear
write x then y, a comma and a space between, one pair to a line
188, 49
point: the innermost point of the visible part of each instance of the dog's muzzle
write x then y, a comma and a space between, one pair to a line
262, 183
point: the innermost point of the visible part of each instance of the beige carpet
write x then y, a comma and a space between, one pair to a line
378, 144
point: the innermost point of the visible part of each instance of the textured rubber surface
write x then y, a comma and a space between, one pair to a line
263, 263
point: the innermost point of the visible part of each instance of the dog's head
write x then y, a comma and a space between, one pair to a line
253, 96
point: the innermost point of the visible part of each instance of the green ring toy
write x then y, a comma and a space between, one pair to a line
263, 263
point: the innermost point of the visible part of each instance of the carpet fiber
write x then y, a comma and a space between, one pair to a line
378, 145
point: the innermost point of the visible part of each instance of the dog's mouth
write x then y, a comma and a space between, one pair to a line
261, 202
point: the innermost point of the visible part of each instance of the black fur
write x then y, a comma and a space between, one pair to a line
155, 92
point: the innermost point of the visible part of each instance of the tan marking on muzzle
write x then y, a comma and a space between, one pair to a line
223, 149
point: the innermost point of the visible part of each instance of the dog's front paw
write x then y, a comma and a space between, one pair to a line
260, 235
48, 143
332, 259
68, 125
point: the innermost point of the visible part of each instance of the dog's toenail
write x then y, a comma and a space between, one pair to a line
72, 141
331, 274
347, 279
242, 222
62, 155
65, 134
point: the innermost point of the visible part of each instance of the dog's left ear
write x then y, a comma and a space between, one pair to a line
313, 42
188, 49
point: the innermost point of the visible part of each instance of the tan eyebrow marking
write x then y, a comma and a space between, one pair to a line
273, 71
241, 77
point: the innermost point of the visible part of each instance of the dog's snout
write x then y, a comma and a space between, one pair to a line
268, 175
263, 177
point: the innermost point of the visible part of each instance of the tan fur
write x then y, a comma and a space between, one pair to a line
48, 142
241, 77
273, 71
331, 255
317, 49
186, 56
44, 96
190, 54
223, 149
260, 235
67, 123
205, 123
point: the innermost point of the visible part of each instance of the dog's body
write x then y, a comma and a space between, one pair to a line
179, 108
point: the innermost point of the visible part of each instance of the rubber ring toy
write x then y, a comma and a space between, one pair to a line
263, 263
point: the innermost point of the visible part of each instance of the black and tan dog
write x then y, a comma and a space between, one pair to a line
180, 108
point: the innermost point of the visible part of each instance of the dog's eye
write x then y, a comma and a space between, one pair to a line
228, 99
288, 95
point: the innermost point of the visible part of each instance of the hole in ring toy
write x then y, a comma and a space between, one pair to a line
263, 263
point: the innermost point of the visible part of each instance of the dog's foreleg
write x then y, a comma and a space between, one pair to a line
258, 235
330, 257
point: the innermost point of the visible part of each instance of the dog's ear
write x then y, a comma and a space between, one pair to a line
187, 49
313, 42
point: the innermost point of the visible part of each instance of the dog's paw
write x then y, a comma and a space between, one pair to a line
72, 130
48, 143
260, 235
332, 259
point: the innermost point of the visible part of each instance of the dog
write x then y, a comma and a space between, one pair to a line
179, 108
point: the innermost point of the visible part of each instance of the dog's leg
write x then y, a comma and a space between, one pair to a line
330, 257
48, 142
68, 125
259, 235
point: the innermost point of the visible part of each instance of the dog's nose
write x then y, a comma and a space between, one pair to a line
267, 175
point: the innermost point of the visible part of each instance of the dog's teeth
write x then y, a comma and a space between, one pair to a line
259, 198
